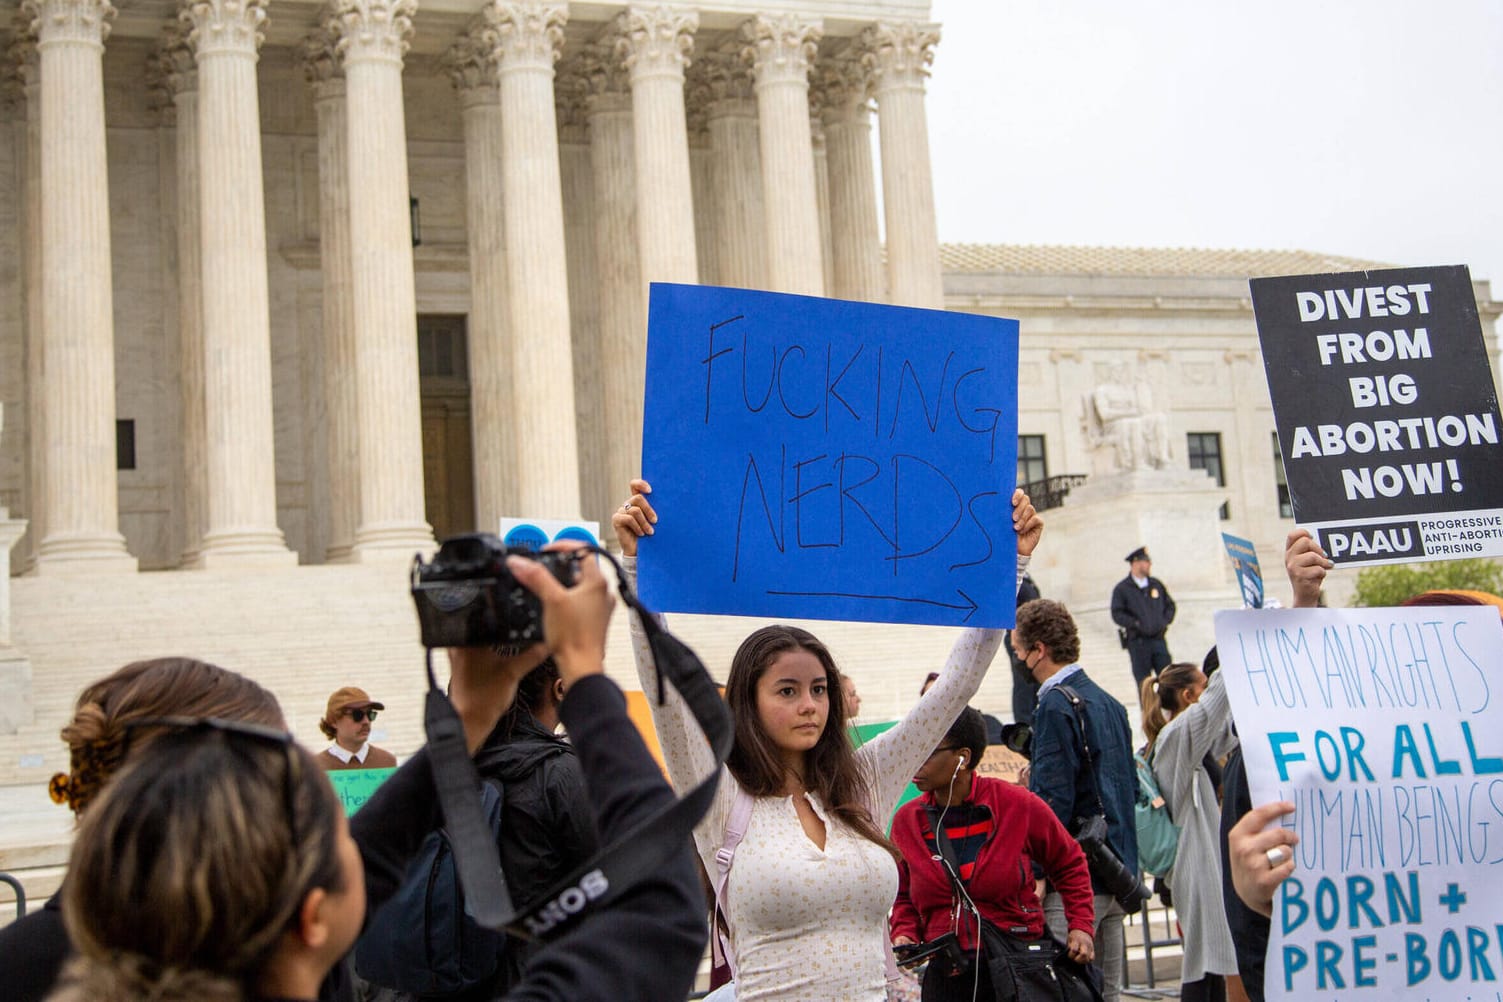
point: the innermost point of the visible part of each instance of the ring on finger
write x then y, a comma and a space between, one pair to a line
1275, 856
626, 506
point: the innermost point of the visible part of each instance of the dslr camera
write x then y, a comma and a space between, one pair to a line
466, 597
1120, 882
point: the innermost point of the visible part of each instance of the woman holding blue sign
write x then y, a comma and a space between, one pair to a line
806, 903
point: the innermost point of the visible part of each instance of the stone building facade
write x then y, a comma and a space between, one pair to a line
288, 286
481, 190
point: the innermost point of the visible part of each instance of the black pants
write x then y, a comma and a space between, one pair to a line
1148, 654
1211, 988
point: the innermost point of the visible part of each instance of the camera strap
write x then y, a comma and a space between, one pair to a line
1088, 761
615, 867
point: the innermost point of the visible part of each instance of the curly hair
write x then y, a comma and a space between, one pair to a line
99, 736
193, 863
831, 769
1044, 621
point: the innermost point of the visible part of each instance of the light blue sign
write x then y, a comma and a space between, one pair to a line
1245, 562
821, 459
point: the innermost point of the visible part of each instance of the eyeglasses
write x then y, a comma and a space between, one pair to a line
291, 775
361, 716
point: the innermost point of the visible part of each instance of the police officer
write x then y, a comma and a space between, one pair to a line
1142, 610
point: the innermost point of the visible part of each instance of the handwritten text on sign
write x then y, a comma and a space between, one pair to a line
1381, 726
1386, 412
820, 459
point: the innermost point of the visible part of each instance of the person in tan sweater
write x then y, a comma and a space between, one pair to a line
347, 722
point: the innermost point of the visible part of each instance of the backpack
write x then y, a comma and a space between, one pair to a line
1158, 835
423, 941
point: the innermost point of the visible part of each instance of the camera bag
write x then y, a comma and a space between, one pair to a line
615, 867
423, 940
1020, 970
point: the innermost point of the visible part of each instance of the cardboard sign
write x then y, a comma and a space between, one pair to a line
1387, 413
819, 459
1245, 562
354, 787
1381, 726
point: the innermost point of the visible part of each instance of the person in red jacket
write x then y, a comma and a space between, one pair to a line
998, 831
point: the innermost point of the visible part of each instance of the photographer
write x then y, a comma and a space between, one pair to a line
289, 910
1075, 785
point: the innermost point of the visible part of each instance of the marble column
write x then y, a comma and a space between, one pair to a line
525, 36
701, 190
736, 170
623, 341
855, 240
570, 91
654, 43
373, 38
781, 50
78, 384
241, 509
822, 185
898, 57
473, 74
25, 60
337, 340
177, 69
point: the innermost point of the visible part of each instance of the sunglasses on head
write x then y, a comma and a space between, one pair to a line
361, 716
292, 773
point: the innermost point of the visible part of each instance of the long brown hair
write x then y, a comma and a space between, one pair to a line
192, 864
99, 736
831, 769
1166, 695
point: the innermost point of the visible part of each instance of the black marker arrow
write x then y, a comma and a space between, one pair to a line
970, 605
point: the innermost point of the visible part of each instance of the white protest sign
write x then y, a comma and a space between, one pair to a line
1383, 727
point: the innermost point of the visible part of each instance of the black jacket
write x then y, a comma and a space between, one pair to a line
1142, 612
547, 828
646, 945
32, 952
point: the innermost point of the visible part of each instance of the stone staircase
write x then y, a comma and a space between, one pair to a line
305, 631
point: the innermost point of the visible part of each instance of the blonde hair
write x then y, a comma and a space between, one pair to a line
190, 866
100, 733
1162, 696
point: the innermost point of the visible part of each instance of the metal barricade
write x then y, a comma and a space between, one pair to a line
15, 884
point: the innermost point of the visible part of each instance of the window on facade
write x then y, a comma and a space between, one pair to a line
1204, 448
441, 347
125, 445
1032, 466
1286, 507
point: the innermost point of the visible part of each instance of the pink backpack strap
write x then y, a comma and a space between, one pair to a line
735, 828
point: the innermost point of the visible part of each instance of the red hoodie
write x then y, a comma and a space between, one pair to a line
1023, 831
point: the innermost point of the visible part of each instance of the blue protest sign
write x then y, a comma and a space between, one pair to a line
821, 459
1245, 562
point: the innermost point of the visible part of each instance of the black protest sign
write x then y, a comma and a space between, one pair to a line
1386, 412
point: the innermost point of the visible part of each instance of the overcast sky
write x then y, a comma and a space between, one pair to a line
1365, 128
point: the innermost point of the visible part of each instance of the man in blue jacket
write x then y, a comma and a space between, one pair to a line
1047, 642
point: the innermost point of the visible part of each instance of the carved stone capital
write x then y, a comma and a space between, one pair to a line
525, 32
174, 62
844, 84
85, 21
371, 30
727, 75
780, 47
319, 55
471, 69
571, 93
21, 69
656, 41
603, 72
223, 26
898, 54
